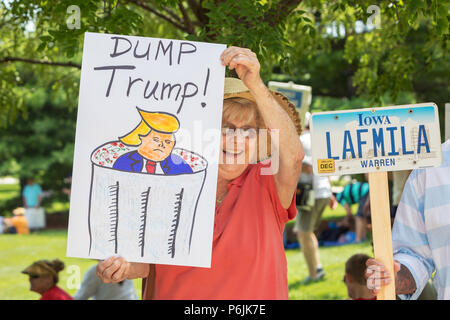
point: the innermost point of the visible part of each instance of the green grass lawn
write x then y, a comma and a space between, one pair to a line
19, 251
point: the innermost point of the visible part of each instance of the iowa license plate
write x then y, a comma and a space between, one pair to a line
378, 139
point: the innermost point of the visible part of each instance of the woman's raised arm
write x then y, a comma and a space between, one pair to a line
289, 147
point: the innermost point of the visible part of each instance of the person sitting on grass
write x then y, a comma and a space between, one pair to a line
44, 277
354, 278
18, 223
337, 232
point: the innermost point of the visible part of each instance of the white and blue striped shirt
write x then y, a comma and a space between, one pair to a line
421, 232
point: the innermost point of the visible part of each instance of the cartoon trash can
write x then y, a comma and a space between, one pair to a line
144, 193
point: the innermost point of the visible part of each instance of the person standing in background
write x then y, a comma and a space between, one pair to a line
315, 195
32, 197
32, 194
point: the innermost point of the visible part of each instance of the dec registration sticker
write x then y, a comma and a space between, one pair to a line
379, 139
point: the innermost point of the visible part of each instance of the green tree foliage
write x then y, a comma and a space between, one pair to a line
313, 42
40, 144
283, 33
410, 42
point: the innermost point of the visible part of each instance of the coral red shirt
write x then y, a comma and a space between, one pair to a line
248, 259
56, 293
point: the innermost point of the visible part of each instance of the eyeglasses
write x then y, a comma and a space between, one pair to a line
33, 276
245, 132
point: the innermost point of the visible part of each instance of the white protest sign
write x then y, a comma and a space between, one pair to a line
380, 139
146, 150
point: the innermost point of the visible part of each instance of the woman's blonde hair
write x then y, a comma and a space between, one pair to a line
240, 109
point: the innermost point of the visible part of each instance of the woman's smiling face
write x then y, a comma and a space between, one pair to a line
156, 146
239, 139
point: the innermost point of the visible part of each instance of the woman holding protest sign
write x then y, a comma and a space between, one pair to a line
254, 200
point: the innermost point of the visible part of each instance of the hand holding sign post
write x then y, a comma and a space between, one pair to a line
375, 141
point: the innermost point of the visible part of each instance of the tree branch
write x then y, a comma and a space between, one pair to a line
172, 14
42, 62
158, 14
282, 10
199, 12
187, 21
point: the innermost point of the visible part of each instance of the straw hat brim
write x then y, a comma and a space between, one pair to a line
235, 88
19, 211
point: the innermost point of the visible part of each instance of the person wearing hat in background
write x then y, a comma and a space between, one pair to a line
314, 196
154, 139
253, 201
18, 223
43, 275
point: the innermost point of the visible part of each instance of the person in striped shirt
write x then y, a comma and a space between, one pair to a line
421, 235
355, 192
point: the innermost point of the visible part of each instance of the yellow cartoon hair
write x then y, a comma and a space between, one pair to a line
158, 121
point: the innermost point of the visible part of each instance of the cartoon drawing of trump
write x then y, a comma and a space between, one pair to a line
144, 192
154, 138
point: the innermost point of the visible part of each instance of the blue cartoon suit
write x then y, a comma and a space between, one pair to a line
133, 162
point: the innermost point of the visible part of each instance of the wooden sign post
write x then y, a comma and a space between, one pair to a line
376, 141
381, 228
